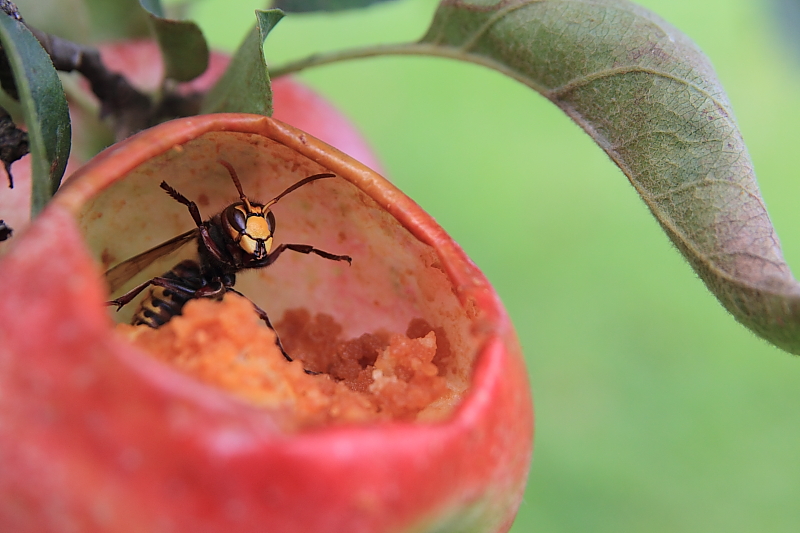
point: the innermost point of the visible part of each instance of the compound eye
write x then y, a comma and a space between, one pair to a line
237, 218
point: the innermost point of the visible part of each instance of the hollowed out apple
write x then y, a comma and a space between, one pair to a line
97, 436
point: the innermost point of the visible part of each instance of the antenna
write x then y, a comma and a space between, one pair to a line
298, 185
236, 182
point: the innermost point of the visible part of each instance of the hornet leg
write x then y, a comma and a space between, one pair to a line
263, 316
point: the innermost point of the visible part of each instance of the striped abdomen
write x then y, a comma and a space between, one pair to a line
161, 304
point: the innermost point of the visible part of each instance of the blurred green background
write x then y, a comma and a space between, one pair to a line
655, 411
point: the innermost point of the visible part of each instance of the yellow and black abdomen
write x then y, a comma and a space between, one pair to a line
161, 304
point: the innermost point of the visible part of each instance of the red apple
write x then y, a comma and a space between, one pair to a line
97, 436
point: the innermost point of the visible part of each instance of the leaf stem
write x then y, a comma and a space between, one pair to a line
408, 49
316, 60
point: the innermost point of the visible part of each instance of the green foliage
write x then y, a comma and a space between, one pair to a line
245, 88
44, 108
651, 100
182, 44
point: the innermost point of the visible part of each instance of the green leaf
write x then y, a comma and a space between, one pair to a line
651, 100
182, 44
245, 86
44, 108
153, 7
307, 6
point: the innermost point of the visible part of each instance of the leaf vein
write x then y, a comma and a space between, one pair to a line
558, 93
708, 182
492, 20
722, 255
685, 139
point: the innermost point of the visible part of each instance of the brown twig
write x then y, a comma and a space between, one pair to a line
13, 143
128, 109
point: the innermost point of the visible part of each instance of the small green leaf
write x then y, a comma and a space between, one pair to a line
245, 86
153, 7
182, 44
44, 107
307, 6
651, 100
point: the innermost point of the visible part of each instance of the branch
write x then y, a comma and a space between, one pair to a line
13, 144
400, 49
129, 109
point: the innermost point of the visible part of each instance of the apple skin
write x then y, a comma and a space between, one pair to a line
96, 436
